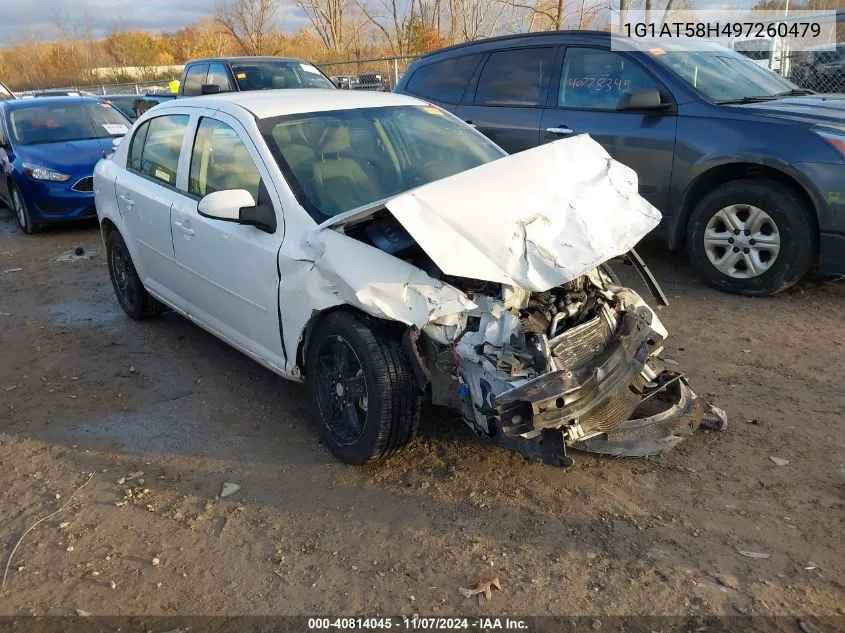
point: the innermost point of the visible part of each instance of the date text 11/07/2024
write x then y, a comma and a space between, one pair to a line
716, 30
416, 623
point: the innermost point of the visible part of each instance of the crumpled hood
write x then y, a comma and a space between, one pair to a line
533, 220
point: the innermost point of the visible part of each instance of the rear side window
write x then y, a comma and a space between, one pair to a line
194, 79
162, 143
445, 80
217, 76
516, 77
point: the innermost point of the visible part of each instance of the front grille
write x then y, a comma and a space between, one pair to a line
84, 184
577, 346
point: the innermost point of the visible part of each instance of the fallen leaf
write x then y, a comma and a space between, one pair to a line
482, 589
140, 473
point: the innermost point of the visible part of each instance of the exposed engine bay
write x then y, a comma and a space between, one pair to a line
573, 366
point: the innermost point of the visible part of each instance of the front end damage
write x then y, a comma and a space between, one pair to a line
513, 318
577, 366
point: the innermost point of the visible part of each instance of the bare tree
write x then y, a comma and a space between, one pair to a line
327, 18
251, 23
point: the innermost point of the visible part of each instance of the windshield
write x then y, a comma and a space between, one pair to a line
340, 160
56, 123
721, 75
270, 75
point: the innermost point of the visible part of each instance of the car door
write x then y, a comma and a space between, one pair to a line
444, 82
509, 95
584, 98
228, 271
146, 190
218, 75
5, 160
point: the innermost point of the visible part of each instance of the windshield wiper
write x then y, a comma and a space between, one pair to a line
795, 92
746, 99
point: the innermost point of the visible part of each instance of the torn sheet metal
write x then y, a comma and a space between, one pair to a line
533, 220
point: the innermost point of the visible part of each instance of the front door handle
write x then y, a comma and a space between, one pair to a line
470, 123
560, 130
129, 201
183, 229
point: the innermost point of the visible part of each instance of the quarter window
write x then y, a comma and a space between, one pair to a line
194, 79
515, 77
162, 142
445, 80
595, 79
221, 161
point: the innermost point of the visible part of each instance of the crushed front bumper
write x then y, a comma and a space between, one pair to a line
622, 402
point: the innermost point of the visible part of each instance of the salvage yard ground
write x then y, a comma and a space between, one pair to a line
84, 389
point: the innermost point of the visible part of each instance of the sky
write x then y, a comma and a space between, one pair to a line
23, 17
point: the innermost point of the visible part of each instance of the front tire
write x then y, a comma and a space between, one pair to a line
752, 237
21, 210
361, 389
136, 302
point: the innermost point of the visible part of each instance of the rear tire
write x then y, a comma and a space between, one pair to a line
136, 302
361, 388
752, 237
21, 210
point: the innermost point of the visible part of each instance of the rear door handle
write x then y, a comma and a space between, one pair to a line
129, 201
183, 229
564, 131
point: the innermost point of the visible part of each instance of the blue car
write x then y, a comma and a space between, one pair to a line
48, 149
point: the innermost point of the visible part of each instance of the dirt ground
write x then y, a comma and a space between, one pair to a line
83, 389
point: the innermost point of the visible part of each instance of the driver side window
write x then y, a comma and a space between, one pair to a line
595, 79
221, 161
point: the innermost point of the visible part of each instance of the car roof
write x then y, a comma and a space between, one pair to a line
551, 37
245, 58
17, 104
270, 103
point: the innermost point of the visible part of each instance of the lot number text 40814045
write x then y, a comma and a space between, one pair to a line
416, 623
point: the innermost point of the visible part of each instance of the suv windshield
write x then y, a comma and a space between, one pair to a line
59, 122
722, 75
271, 75
340, 160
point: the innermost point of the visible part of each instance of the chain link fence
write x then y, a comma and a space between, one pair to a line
820, 70
381, 73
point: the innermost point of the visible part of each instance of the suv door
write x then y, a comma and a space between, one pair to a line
146, 190
444, 82
584, 99
506, 104
228, 271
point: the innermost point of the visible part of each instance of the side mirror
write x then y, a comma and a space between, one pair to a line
641, 100
238, 205
115, 143
210, 89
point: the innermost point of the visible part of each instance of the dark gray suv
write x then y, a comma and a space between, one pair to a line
747, 169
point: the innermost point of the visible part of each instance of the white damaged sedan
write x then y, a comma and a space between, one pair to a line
384, 252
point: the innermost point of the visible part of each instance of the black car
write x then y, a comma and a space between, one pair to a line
132, 106
233, 74
747, 169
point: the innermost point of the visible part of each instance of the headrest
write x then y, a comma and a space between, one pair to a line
278, 81
338, 141
281, 135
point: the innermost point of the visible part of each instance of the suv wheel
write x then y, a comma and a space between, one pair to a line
752, 237
361, 389
133, 297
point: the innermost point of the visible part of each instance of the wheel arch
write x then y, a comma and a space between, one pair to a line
723, 173
319, 316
